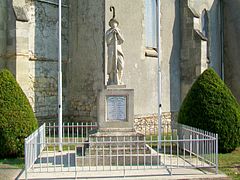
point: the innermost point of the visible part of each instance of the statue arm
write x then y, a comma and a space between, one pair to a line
109, 36
120, 37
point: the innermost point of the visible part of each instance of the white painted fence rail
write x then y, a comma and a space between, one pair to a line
181, 146
34, 145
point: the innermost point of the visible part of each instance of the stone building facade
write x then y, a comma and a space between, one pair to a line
29, 46
200, 48
231, 46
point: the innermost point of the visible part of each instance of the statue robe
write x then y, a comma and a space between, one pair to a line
110, 39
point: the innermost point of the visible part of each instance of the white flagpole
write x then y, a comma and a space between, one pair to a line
60, 74
159, 73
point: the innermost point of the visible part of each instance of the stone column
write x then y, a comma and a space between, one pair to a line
3, 32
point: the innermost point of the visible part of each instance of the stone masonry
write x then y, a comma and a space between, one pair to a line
29, 48
197, 51
149, 124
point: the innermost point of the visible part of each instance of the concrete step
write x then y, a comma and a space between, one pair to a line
120, 160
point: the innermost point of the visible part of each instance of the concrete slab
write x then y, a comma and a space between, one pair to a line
152, 174
9, 174
61, 165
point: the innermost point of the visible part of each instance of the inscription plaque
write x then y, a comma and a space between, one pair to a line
116, 108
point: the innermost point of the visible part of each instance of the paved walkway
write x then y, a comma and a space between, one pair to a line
63, 167
9, 173
179, 173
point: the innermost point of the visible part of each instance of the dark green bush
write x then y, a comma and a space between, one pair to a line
17, 120
210, 105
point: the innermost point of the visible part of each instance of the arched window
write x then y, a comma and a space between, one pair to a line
204, 23
205, 30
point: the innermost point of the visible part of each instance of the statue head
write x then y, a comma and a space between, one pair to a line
113, 23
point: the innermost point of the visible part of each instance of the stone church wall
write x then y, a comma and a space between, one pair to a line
3, 31
170, 56
231, 46
31, 53
85, 70
199, 52
43, 58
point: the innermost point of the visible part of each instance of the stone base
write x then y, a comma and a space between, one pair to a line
117, 148
115, 86
116, 136
116, 139
115, 130
119, 160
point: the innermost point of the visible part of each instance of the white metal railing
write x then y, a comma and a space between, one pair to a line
202, 144
71, 132
34, 145
181, 146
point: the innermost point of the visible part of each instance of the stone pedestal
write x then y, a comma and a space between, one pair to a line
116, 143
116, 109
115, 116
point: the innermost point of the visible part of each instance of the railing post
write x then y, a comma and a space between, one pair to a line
26, 158
44, 134
190, 148
216, 153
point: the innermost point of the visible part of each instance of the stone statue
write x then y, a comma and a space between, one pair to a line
115, 63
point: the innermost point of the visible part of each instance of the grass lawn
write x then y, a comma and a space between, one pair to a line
14, 163
230, 164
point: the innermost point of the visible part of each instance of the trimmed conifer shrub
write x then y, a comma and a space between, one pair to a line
210, 105
17, 120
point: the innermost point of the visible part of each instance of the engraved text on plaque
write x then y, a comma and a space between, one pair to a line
116, 108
